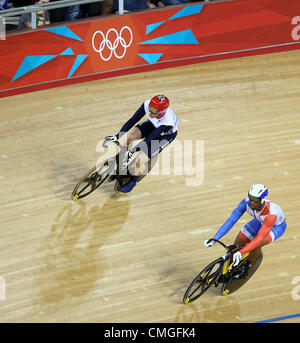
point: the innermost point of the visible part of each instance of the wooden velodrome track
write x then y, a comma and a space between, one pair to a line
129, 258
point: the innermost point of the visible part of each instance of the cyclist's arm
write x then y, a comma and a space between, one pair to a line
132, 121
235, 216
261, 235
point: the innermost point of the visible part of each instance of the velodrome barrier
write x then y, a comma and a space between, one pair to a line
141, 41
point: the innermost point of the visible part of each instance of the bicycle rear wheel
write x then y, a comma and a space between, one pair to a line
94, 178
203, 281
232, 284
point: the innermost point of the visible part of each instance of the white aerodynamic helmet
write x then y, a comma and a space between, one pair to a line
258, 191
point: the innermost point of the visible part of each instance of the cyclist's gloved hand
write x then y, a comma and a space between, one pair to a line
108, 139
236, 258
209, 243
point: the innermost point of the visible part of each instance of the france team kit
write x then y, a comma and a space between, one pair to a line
269, 223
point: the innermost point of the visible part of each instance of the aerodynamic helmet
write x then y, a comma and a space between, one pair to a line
258, 191
160, 103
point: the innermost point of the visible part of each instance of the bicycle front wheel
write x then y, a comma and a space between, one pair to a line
94, 178
203, 281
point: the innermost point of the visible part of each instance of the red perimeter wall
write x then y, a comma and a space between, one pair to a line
142, 41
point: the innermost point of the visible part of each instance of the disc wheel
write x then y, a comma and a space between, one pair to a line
203, 281
232, 284
91, 180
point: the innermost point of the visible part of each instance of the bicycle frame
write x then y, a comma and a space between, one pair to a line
223, 274
110, 168
226, 263
224, 266
115, 162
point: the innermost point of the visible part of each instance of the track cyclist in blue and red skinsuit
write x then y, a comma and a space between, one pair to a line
268, 225
158, 131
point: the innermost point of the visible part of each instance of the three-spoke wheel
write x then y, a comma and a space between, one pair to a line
92, 180
203, 281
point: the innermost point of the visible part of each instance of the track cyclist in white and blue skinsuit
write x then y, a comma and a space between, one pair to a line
158, 131
268, 225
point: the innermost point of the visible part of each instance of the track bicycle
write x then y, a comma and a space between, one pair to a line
220, 271
111, 169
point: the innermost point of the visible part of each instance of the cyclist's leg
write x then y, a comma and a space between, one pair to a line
161, 144
142, 130
141, 164
136, 170
248, 232
147, 153
276, 232
129, 137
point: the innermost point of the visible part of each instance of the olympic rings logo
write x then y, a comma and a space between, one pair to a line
105, 42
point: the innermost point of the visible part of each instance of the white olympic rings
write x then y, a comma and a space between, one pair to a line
112, 46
